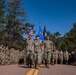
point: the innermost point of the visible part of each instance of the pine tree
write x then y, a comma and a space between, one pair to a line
2, 20
16, 16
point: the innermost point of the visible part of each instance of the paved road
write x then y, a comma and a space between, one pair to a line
58, 70
13, 70
42, 70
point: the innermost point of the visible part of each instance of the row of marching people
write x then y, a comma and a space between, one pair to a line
10, 55
42, 48
59, 57
63, 57
39, 47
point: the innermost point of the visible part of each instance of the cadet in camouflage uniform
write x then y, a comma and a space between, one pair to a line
3, 56
12, 55
7, 55
56, 56
66, 56
16, 56
61, 57
48, 47
37, 48
53, 57
30, 45
0, 52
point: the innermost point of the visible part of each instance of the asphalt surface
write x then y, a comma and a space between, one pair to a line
58, 70
42, 70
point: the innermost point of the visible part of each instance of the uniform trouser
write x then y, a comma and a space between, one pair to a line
30, 55
53, 60
61, 60
7, 59
47, 56
56, 59
39, 56
66, 60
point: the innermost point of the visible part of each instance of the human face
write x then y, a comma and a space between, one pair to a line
30, 37
37, 38
47, 38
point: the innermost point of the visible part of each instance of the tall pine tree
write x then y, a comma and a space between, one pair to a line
16, 16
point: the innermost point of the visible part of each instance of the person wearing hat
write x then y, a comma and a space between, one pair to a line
61, 57
37, 49
29, 50
48, 47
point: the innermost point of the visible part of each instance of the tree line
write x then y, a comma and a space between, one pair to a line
13, 26
66, 42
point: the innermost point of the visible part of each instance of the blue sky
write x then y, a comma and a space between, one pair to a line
57, 15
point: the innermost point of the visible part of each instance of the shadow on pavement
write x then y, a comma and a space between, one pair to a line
23, 66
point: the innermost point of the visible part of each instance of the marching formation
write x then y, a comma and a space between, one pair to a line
10, 56
36, 53
46, 52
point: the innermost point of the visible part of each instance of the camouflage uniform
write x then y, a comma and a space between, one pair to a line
30, 44
56, 56
12, 55
47, 48
37, 48
61, 57
3, 57
16, 56
7, 55
24, 56
66, 57
52, 57
0, 53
